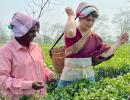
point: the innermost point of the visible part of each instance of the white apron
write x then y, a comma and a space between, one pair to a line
77, 68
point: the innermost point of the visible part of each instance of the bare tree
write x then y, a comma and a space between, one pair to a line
50, 33
45, 31
56, 31
128, 0
101, 27
122, 20
100, 23
38, 7
3, 35
43, 36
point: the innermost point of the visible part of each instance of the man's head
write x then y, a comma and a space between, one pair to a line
24, 28
21, 24
29, 36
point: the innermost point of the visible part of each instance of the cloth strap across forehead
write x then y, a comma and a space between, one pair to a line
85, 9
88, 10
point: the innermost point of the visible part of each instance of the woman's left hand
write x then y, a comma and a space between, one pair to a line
124, 38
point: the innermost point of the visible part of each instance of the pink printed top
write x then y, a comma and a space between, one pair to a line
19, 67
93, 47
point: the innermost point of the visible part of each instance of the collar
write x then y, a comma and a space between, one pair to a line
18, 46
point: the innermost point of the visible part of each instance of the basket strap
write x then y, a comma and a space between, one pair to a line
58, 40
55, 44
63, 34
77, 46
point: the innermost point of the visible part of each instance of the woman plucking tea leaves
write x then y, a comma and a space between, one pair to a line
23, 71
84, 48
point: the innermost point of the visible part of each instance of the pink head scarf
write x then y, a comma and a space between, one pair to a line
21, 24
85, 9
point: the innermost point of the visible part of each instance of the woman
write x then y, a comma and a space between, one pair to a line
23, 71
83, 47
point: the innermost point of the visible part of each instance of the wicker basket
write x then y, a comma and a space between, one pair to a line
58, 55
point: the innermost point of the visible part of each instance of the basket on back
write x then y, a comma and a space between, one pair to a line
57, 55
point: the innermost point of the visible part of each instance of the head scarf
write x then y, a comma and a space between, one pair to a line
85, 9
21, 24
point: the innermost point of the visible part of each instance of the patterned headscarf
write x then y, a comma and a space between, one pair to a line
21, 24
85, 9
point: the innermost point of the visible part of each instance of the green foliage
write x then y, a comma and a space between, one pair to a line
46, 48
118, 65
112, 81
106, 89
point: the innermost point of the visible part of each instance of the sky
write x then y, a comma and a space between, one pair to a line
57, 14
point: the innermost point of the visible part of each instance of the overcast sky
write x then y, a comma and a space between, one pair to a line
57, 15
8, 7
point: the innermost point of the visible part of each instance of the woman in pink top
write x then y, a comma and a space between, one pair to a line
22, 68
84, 48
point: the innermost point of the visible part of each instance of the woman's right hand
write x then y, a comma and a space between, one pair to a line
37, 85
70, 27
69, 11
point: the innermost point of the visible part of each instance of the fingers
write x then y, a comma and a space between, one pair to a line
125, 34
41, 84
50, 76
68, 8
69, 11
124, 38
37, 85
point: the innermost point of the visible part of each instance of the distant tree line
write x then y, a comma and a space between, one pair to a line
49, 33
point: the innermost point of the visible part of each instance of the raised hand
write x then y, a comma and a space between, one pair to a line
124, 38
69, 11
37, 85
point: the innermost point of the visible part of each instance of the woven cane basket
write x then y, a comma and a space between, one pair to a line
58, 55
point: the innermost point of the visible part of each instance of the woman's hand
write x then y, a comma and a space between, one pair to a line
123, 38
70, 27
69, 11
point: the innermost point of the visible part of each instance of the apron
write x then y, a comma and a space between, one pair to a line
77, 68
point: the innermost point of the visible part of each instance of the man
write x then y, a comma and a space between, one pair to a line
22, 68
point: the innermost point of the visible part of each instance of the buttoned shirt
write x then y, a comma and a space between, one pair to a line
19, 68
